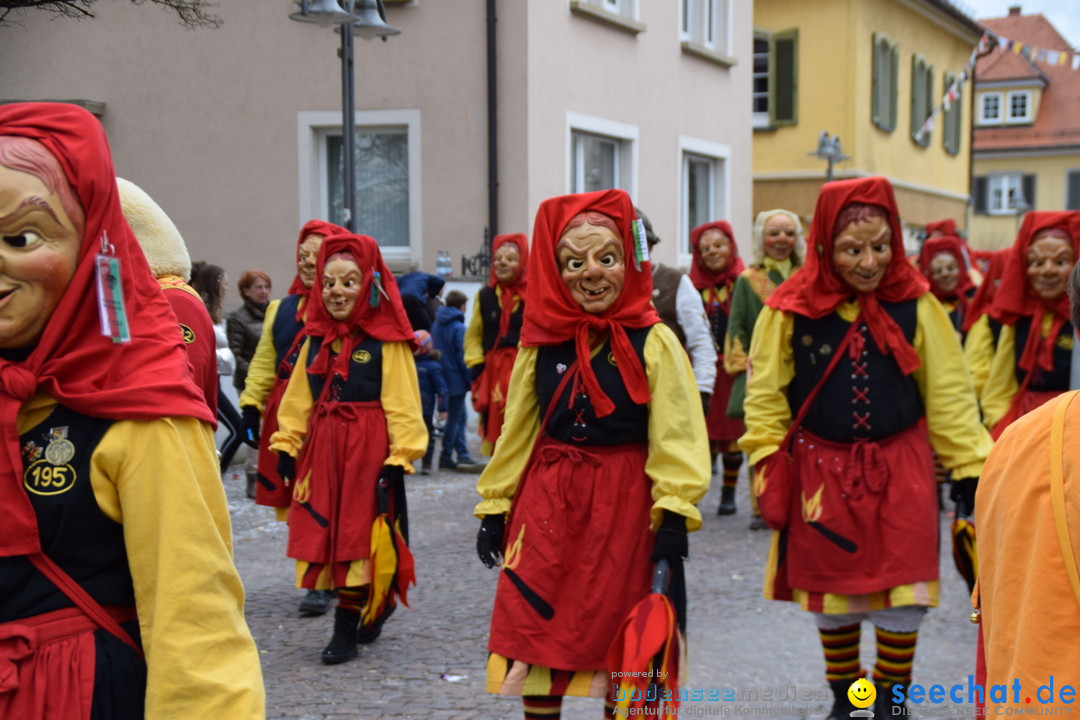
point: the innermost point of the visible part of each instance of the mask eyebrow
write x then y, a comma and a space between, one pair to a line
35, 202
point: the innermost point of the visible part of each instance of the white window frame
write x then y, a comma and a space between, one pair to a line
706, 23
761, 119
1003, 183
721, 155
1007, 108
983, 119
627, 137
312, 129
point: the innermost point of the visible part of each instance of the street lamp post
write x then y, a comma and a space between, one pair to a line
366, 18
829, 149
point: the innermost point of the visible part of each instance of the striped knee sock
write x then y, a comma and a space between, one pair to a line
353, 598
841, 648
895, 656
732, 461
542, 707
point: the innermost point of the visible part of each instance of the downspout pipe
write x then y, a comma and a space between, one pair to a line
493, 127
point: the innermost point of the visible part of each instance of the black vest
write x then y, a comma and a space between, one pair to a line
491, 313
1043, 380
74, 532
577, 424
364, 383
868, 398
285, 329
718, 321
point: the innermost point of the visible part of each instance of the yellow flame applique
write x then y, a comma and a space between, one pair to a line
811, 509
513, 553
302, 489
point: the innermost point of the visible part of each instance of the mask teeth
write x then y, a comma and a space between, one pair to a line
376, 288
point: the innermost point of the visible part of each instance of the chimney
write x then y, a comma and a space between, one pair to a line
1014, 10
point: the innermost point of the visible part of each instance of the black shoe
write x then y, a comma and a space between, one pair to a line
342, 647
447, 464
885, 705
370, 633
251, 486
842, 707
316, 602
727, 500
756, 523
468, 465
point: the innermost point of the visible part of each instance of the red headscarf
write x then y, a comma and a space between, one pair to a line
552, 316
378, 311
1015, 297
706, 279
517, 284
984, 296
312, 227
146, 378
816, 290
955, 247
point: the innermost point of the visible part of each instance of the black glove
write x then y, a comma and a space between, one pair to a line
251, 425
963, 494
391, 476
286, 466
490, 539
671, 542
706, 402
477, 371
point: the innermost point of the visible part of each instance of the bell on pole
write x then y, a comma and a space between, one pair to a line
371, 20
323, 12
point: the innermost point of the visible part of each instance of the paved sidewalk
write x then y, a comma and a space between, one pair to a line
429, 662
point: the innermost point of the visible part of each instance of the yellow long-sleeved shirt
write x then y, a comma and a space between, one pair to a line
261, 370
678, 446
1001, 384
159, 479
399, 395
952, 415
979, 348
474, 335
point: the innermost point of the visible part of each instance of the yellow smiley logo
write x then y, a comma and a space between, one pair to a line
862, 693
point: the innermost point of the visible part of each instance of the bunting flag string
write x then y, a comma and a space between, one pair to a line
1036, 54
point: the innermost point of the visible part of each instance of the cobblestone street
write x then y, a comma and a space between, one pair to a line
429, 662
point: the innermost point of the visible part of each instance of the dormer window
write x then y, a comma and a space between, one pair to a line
1019, 106
990, 109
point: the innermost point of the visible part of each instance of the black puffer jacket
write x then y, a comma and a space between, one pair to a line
244, 326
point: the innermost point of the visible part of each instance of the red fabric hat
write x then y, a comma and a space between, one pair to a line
1015, 297
955, 247
146, 378
312, 227
941, 227
516, 286
552, 316
704, 278
378, 312
817, 290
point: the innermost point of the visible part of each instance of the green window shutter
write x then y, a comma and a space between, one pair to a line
784, 77
917, 78
1027, 186
1072, 190
978, 194
894, 86
952, 118
875, 88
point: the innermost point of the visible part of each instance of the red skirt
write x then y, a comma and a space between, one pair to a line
863, 516
489, 392
333, 504
47, 664
1022, 403
721, 427
576, 556
270, 489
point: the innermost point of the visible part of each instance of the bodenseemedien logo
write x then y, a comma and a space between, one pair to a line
862, 694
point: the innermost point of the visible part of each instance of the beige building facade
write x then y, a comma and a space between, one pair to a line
236, 131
